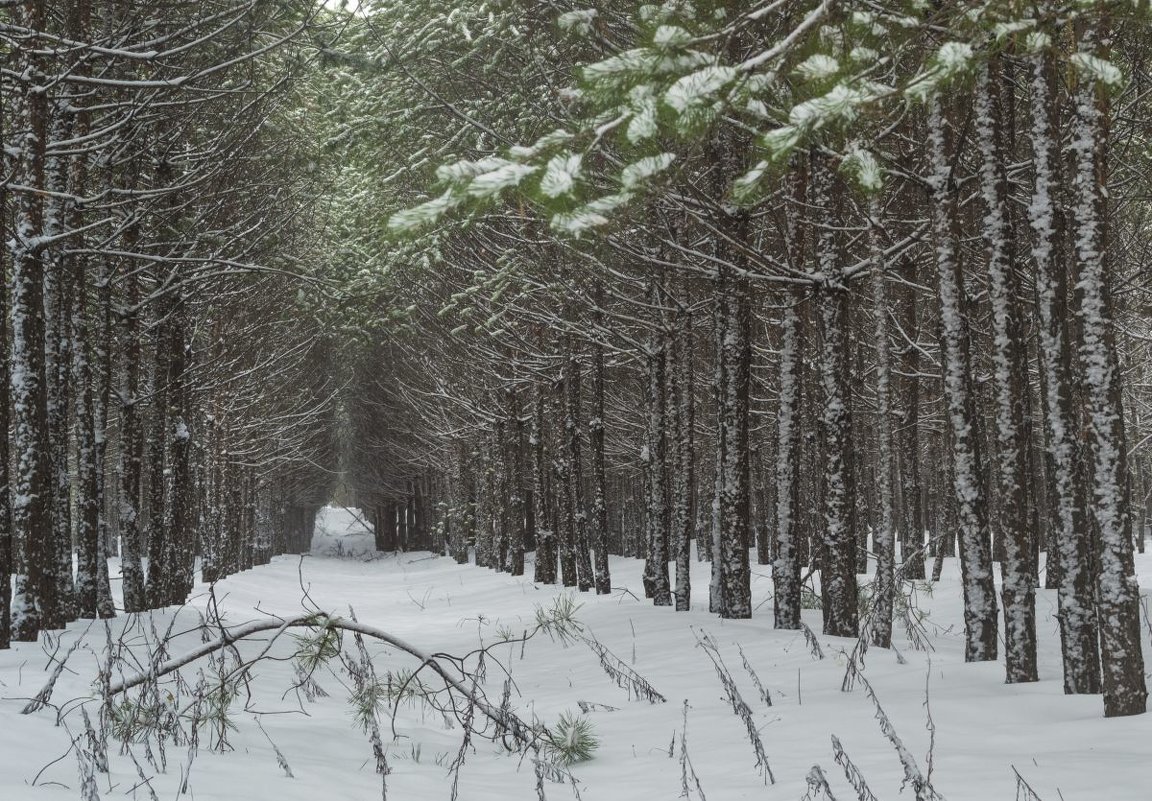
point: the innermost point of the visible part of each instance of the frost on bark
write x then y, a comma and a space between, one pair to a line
578, 512
565, 509
59, 308
911, 480
654, 460
155, 532
1117, 592
35, 604
838, 587
181, 523
6, 533
515, 459
786, 565
1072, 554
683, 443
130, 466
730, 566
545, 569
6, 539
1010, 371
884, 535
980, 607
598, 524
89, 563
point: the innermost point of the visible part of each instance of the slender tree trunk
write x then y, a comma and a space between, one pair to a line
131, 456
789, 442
884, 537
1072, 552
579, 511
599, 521
35, 604
654, 459
545, 570
980, 607
734, 355
1010, 369
1118, 595
7, 566
912, 534
683, 438
838, 587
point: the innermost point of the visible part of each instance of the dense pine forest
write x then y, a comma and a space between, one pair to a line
836, 294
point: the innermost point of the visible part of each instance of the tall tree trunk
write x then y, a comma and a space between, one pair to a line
545, 570
35, 604
1010, 370
599, 520
884, 536
730, 567
684, 444
1117, 592
912, 484
980, 607
131, 456
579, 512
156, 532
1073, 537
789, 442
838, 588
654, 459
7, 567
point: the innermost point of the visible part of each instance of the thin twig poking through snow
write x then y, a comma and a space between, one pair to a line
1024, 791
625, 677
739, 706
687, 771
41, 699
851, 772
920, 783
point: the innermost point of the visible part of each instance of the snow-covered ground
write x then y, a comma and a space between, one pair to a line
1062, 745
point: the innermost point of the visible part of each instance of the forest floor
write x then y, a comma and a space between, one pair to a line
1061, 745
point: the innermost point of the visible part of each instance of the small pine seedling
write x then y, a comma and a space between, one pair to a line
573, 740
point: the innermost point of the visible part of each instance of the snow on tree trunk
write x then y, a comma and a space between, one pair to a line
1010, 370
1117, 592
566, 509
130, 466
579, 512
786, 565
654, 460
1073, 537
683, 442
6, 539
545, 570
911, 480
58, 311
980, 607
35, 603
884, 537
158, 475
734, 357
515, 448
88, 498
599, 520
838, 588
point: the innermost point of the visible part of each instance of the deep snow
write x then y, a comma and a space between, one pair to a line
1061, 744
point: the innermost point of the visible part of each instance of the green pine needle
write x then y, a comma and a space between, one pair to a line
573, 740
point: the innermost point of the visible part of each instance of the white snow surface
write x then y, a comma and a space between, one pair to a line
1061, 744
